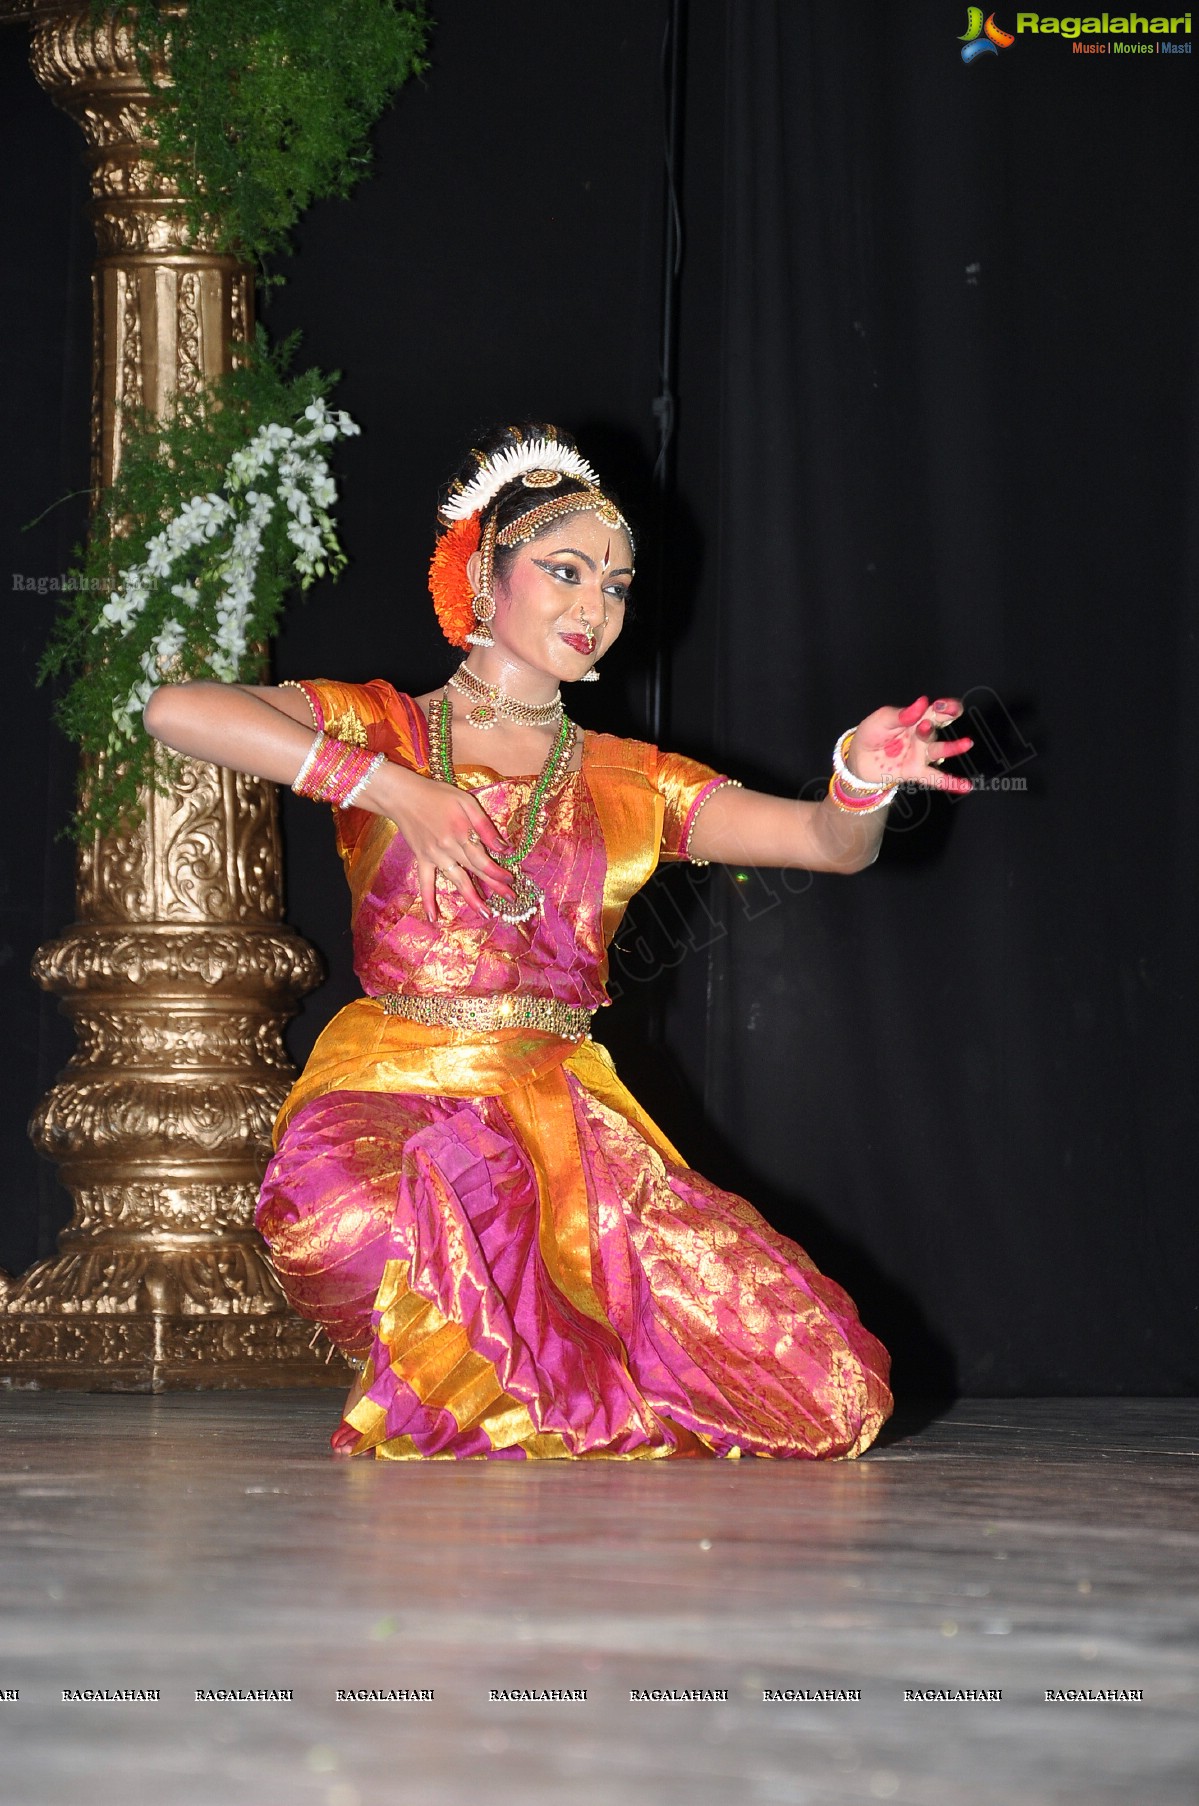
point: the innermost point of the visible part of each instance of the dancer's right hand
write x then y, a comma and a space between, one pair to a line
448, 832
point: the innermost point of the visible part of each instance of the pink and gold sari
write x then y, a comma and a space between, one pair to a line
517, 1256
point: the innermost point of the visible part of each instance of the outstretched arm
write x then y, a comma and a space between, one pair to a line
268, 731
749, 827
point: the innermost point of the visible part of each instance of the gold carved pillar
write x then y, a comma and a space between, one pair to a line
178, 974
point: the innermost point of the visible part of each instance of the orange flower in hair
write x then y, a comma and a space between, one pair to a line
449, 584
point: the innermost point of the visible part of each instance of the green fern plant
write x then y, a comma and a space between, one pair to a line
269, 104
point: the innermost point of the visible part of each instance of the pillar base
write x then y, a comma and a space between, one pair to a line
111, 1319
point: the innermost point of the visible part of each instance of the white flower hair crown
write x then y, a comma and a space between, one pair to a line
505, 466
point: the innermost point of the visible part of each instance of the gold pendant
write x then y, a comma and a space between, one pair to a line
483, 716
523, 906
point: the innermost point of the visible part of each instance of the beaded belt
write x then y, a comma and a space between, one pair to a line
513, 1009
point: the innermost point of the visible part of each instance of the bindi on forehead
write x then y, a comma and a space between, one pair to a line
607, 560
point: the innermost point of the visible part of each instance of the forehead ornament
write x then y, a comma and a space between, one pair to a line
541, 479
590, 500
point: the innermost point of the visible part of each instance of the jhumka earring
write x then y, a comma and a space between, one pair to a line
484, 607
483, 600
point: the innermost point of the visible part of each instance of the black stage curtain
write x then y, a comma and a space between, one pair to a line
937, 430
935, 392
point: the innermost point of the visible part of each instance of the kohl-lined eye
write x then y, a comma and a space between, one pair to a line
566, 573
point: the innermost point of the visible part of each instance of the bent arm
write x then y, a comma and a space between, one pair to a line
262, 729
268, 732
750, 827
265, 731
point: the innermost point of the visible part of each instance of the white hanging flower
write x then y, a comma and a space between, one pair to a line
218, 539
160, 555
122, 608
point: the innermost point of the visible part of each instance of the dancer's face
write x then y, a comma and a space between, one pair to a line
560, 603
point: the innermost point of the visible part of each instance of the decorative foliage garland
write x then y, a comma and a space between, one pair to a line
220, 507
269, 104
170, 591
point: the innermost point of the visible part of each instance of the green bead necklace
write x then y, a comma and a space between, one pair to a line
527, 901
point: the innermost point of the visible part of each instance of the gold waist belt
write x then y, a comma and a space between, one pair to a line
513, 1009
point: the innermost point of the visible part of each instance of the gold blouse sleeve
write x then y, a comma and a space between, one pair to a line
345, 712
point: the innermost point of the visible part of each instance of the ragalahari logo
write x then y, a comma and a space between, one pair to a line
982, 38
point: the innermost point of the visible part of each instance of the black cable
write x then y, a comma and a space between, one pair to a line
664, 406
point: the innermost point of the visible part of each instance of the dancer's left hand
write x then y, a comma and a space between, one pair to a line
899, 746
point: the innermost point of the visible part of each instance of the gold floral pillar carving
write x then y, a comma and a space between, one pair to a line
178, 974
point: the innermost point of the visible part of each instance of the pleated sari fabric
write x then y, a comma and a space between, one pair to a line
489, 1224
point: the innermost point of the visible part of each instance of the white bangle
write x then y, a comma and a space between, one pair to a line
364, 780
850, 778
309, 760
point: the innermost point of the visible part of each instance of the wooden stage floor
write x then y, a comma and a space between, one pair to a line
207, 1541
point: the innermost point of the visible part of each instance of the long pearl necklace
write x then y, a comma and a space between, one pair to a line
493, 704
527, 901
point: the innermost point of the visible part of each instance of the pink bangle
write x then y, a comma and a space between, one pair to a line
354, 772
335, 773
859, 802
321, 765
324, 768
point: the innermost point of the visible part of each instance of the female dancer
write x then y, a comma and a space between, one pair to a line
463, 1194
